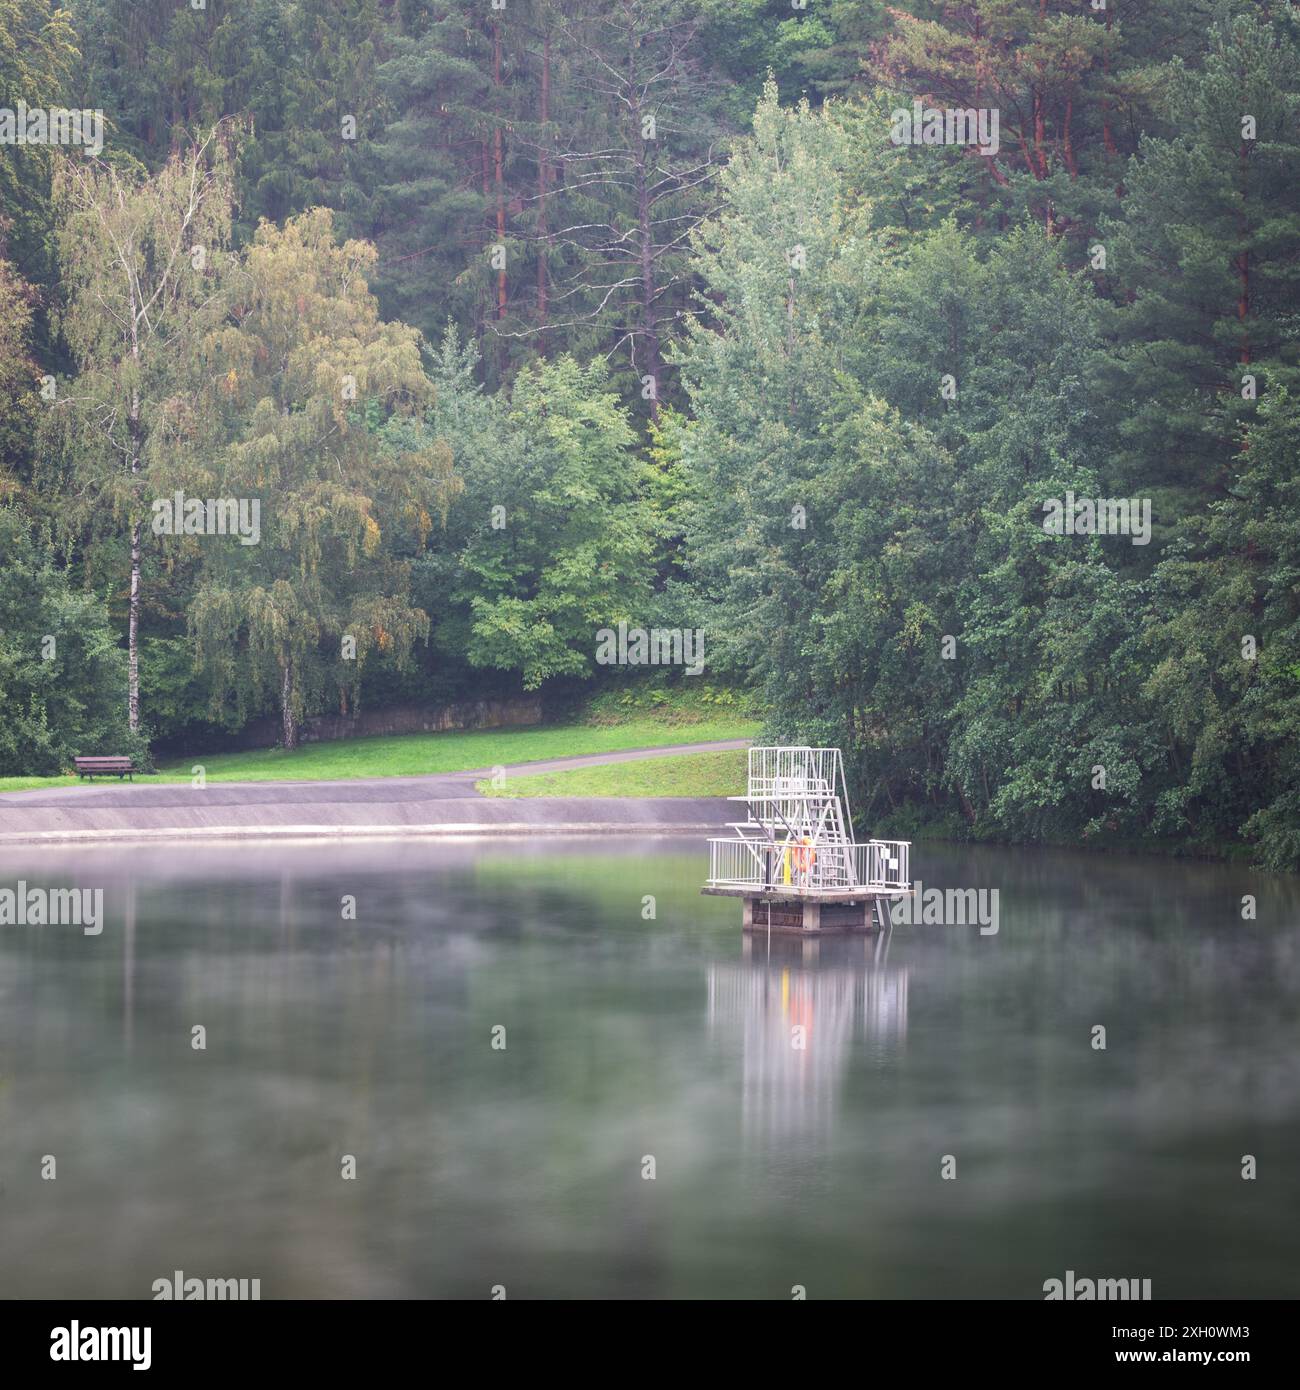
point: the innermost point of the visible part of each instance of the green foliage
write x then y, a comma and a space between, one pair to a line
419, 209
320, 396
1224, 637
871, 546
814, 51
874, 366
686, 700
18, 400
38, 52
180, 698
62, 673
561, 538
1206, 253
141, 262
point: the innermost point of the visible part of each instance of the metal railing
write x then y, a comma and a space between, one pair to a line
743, 862
885, 863
778, 773
795, 789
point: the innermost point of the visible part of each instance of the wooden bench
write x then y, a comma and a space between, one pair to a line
104, 767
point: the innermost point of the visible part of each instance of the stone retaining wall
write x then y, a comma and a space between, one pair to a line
398, 719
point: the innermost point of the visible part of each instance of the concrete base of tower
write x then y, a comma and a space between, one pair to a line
805, 917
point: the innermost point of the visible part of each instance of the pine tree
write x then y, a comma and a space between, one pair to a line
427, 208
1070, 84
639, 154
1206, 253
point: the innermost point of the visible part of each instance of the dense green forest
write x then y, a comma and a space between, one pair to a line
522, 319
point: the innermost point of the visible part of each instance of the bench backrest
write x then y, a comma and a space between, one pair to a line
107, 764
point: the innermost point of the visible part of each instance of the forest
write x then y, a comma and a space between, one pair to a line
966, 442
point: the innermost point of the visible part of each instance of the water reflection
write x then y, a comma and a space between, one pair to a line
670, 1035
800, 1008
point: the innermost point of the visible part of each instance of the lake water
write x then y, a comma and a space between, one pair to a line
626, 1039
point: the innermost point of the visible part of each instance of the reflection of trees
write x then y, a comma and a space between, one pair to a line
822, 997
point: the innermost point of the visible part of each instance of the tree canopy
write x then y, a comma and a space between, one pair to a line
974, 457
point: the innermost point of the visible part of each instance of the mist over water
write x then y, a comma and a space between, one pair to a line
775, 1166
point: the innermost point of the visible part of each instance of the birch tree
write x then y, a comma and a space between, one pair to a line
323, 410
141, 262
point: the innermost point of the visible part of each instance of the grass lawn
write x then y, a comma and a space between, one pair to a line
686, 774
410, 755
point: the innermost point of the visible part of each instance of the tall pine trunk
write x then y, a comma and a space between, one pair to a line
645, 228
543, 182
1243, 261
498, 161
133, 612
649, 321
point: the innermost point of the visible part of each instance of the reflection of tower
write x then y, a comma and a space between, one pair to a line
884, 1005
798, 1024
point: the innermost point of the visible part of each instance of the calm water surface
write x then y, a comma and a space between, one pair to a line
627, 1038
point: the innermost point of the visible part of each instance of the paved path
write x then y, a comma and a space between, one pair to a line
440, 803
